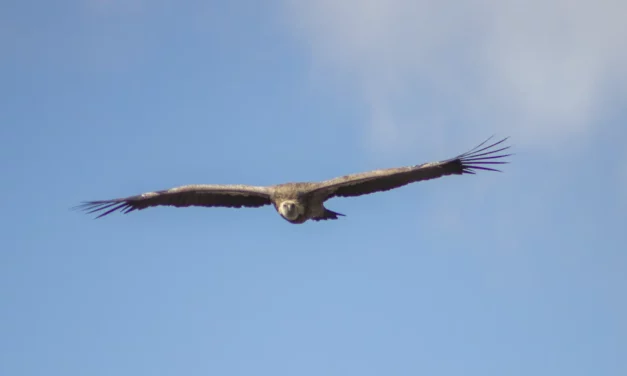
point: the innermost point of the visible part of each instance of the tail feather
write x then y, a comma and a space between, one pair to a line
328, 214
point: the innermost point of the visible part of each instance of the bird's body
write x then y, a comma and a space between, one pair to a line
300, 202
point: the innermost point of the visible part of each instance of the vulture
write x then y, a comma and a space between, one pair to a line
300, 202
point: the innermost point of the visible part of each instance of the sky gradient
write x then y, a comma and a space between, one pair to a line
517, 273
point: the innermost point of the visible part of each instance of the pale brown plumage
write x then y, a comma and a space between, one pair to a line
299, 202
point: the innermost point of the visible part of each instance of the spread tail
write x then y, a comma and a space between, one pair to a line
328, 214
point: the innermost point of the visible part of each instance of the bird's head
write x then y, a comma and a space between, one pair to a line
290, 210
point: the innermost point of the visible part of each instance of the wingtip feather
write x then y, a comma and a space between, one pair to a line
478, 157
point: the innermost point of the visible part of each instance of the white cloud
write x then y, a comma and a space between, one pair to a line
537, 69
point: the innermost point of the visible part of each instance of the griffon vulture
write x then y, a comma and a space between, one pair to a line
300, 202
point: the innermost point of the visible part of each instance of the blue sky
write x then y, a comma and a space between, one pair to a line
517, 273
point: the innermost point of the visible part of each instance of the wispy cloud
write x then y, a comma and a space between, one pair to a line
536, 69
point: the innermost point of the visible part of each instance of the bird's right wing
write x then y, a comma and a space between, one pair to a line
232, 196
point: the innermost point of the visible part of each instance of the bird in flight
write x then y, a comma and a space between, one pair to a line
300, 202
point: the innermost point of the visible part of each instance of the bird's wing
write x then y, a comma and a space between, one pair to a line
382, 180
232, 196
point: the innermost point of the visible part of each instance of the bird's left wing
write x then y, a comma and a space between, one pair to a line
232, 196
478, 158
